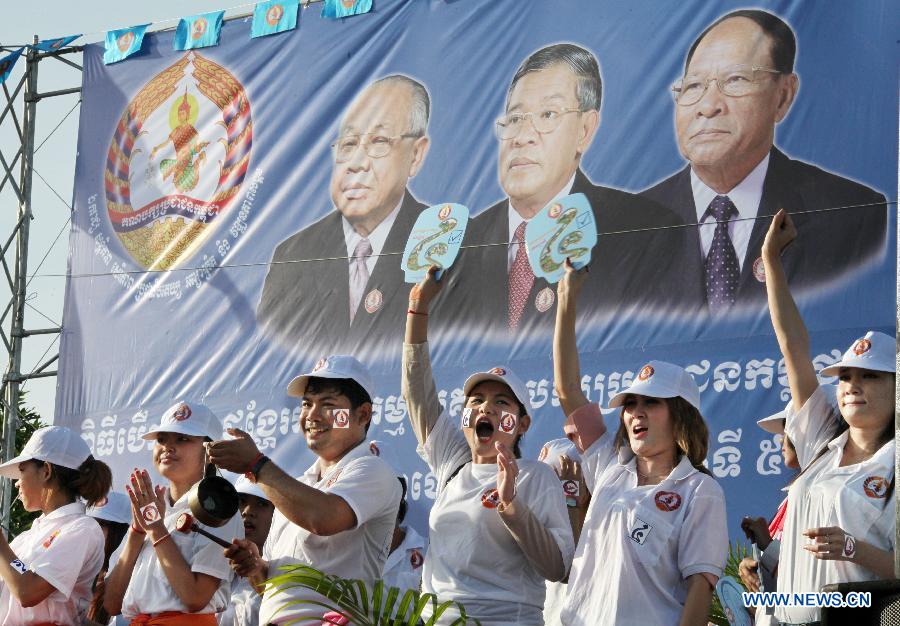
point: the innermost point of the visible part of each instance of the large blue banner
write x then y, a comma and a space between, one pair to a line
241, 210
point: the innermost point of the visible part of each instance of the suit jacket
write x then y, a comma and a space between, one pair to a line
628, 271
828, 244
307, 305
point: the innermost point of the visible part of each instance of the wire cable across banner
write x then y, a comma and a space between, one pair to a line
469, 247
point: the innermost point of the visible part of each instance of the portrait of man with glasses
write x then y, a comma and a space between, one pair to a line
331, 286
551, 118
738, 84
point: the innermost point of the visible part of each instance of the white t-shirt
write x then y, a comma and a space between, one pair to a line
149, 590
65, 548
370, 487
639, 544
244, 607
850, 497
556, 591
472, 557
403, 568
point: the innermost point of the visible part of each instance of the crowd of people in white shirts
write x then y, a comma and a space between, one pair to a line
624, 527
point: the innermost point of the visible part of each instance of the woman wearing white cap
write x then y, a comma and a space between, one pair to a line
654, 540
498, 527
47, 572
840, 516
164, 576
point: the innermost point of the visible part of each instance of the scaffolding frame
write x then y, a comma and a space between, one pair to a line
14, 260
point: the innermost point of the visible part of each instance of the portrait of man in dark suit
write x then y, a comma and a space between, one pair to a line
738, 84
551, 118
330, 286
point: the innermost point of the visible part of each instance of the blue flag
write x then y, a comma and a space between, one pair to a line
273, 17
345, 8
7, 63
52, 45
198, 31
122, 43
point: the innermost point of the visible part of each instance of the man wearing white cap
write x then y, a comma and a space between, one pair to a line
338, 516
841, 523
162, 570
654, 540
256, 510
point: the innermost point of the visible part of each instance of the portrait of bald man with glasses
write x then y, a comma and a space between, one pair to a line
738, 85
551, 119
355, 303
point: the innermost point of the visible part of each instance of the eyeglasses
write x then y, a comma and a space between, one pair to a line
544, 121
375, 145
736, 81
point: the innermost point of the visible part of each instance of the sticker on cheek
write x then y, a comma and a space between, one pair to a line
341, 418
149, 513
467, 417
507, 422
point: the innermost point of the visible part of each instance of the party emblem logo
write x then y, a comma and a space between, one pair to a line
177, 161
667, 501
646, 372
374, 449
199, 28
320, 364
490, 499
543, 454
570, 488
49, 540
875, 487
415, 559
341, 418
274, 14
333, 479
467, 417
374, 300
507, 422
861, 347
499, 371
544, 300
348, 4
555, 211
124, 41
182, 413
444, 213
759, 270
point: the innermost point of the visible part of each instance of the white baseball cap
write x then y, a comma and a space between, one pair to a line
659, 379
501, 374
335, 366
775, 423
115, 507
53, 444
243, 485
188, 418
876, 351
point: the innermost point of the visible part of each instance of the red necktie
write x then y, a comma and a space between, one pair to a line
521, 278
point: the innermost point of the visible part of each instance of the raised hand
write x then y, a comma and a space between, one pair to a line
507, 472
421, 295
781, 233
749, 573
757, 531
831, 543
148, 503
243, 556
569, 285
570, 472
234, 455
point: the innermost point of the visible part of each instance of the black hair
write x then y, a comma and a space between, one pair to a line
784, 42
401, 511
343, 386
91, 481
589, 89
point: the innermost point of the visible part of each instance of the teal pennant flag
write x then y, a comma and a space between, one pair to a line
52, 45
273, 17
198, 31
7, 63
122, 43
335, 9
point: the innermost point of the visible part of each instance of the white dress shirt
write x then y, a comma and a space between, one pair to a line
745, 197
376, 238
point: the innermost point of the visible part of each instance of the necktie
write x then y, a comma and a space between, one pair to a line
521, 278
359, 274
721, 268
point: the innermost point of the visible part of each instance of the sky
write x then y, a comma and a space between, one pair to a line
54, 161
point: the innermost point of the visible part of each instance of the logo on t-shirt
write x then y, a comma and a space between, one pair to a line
373, 448
333, 479
861, 346
543, 454
49, 540
646, 372
640, 531
875, 487
490, 499
415, 559
667, 501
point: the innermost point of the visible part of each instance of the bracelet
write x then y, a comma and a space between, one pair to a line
136, 530
255, 460
253, 473
411, 312
161, 539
